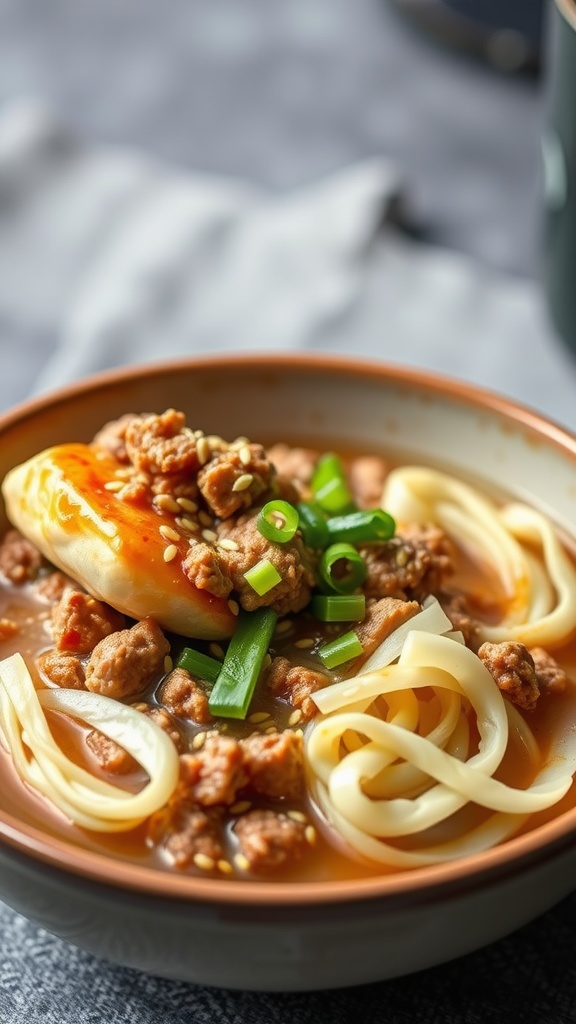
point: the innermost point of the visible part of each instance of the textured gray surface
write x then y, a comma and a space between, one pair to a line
282, 94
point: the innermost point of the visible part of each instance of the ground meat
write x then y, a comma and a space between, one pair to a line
184, 696
457, 610
110, 756
20, 560
161, 444
381, 619
213, 774
203, 567
125, 663
551, 678
274, 763
79, 622
62, 669
293, 561
294, 464
187, 831
233, 480
410, 566
177, 485
112, 437
113, 758
268, 839
512, 667
429, 538
295, 683
53, 585
366, 476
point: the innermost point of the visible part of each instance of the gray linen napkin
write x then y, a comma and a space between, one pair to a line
108, 257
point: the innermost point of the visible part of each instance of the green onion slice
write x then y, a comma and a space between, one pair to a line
329, 487
199, 664
262, 576
233, 689
340, 650
357, 527
339, 608
342, 568
313, 525
278, 521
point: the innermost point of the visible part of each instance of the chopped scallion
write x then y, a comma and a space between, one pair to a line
329, 487
313, 525
233, 689
342, 568
339, 608
199, 664
372, 525
278, 521
343, 649
262, 576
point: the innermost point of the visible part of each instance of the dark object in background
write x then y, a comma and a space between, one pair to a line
506, 33
559, 160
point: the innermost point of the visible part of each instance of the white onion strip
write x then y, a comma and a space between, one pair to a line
86, 800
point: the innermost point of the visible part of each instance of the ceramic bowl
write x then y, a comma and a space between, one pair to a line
273, 936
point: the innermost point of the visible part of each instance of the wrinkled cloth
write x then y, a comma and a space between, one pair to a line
132, 260
159, 264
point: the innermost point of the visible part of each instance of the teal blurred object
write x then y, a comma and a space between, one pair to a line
506, 33
559, 164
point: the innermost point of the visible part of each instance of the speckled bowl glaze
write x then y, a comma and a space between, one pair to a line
273, 936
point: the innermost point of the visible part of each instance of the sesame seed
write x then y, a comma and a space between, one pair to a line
401, 557
296, 816
295, 717
242, 862
205, 519
242, 483
204, 862
169, 533
310, 834
210, 536
240, 807
216, 651
198, 433
239, 442
245, 455
170, 553
113, 485
234, 606
267, 660
258, 716
227, 545
306, 642
202, 450
270, 730
224, 866
284, 626
166, 502
198, 740
187, 524
187, 504
168, 663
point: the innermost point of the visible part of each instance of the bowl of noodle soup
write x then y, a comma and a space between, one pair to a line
390, 557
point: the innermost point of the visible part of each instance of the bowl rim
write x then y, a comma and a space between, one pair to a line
543, 842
